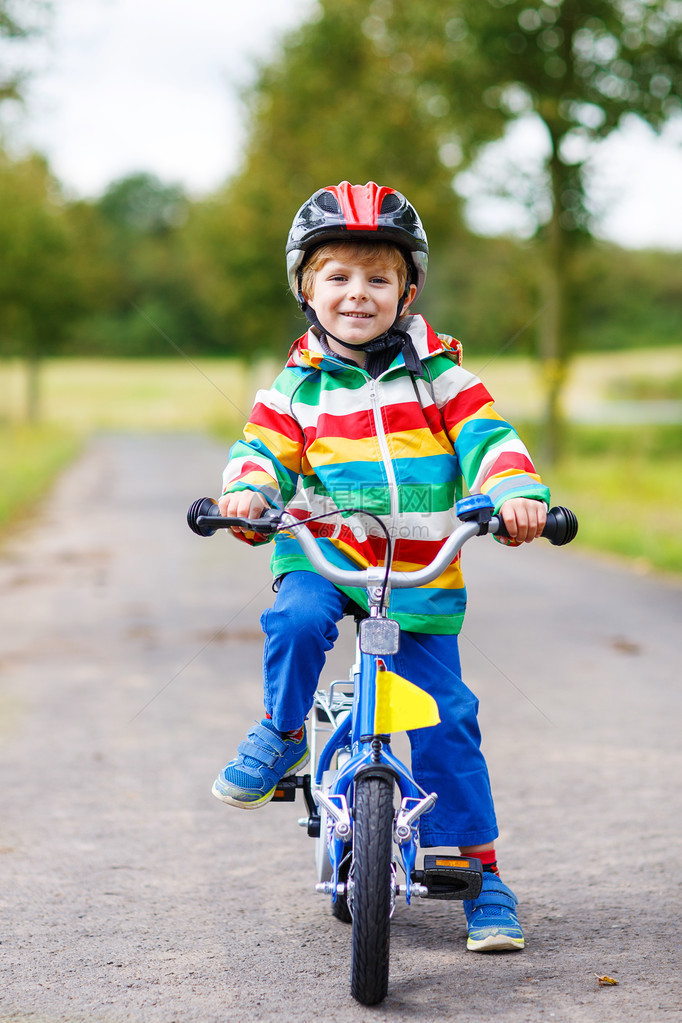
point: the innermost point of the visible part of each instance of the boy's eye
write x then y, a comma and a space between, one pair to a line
339, 277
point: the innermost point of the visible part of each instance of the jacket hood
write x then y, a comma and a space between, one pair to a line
307, 352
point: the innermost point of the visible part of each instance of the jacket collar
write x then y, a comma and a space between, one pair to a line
307, 352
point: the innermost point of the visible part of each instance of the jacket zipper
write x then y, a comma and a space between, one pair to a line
386, 456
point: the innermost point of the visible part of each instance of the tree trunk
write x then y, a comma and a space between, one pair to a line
33, 387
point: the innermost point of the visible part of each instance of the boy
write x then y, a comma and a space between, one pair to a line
374, 411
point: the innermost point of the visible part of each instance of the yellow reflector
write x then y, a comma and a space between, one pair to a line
400, 705
452, 863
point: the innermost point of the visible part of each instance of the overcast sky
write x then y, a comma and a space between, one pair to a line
128, 85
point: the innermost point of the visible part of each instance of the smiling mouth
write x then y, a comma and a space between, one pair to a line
358, 316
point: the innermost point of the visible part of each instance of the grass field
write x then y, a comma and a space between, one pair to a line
627, 502
624, 482
30, 459
129, 394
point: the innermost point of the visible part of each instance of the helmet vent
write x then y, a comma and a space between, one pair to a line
327, 202
390, 203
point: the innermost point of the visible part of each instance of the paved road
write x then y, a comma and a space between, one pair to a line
129, 658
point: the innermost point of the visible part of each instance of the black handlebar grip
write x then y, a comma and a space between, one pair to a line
204, 507
561, 526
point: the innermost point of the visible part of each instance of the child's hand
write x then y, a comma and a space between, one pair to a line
244, 504
524, 518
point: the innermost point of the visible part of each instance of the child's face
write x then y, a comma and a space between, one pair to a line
354, 302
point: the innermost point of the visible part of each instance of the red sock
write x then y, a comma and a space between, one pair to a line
294, 734
488, 860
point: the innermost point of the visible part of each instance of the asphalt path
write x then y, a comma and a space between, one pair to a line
129, 671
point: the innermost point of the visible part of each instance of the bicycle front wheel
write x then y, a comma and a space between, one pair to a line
371, 900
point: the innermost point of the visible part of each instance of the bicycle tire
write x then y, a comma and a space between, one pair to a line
371, 901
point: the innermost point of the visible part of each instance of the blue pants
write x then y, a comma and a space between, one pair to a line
446, 758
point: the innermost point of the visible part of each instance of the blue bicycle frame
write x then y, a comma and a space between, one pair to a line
369, 753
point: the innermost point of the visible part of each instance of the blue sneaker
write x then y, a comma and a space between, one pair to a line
250, 779
493, 923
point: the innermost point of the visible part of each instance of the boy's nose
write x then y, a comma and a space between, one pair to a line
357, 289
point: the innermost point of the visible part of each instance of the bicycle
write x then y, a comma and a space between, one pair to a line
350, 803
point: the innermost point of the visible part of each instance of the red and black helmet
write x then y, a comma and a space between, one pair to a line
345, 212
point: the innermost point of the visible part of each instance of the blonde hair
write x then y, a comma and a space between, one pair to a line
364, 253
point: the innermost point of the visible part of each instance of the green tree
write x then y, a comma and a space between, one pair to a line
40, 295
579, 67
140, 205
628, 298
136, 244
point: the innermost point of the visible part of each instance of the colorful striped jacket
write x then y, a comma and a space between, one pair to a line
327, 437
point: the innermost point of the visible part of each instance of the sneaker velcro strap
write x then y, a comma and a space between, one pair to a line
266, 757
498, 898
269, 739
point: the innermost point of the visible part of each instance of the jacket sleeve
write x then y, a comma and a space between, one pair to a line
268, 458
493, 458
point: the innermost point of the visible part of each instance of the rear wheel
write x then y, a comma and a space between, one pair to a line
371, 878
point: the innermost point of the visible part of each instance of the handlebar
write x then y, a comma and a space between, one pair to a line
561, 526
204, 518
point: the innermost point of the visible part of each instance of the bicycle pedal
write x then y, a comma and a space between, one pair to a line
450, 877
286, 790
288, 787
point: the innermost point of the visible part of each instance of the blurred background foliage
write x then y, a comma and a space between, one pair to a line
79, 278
